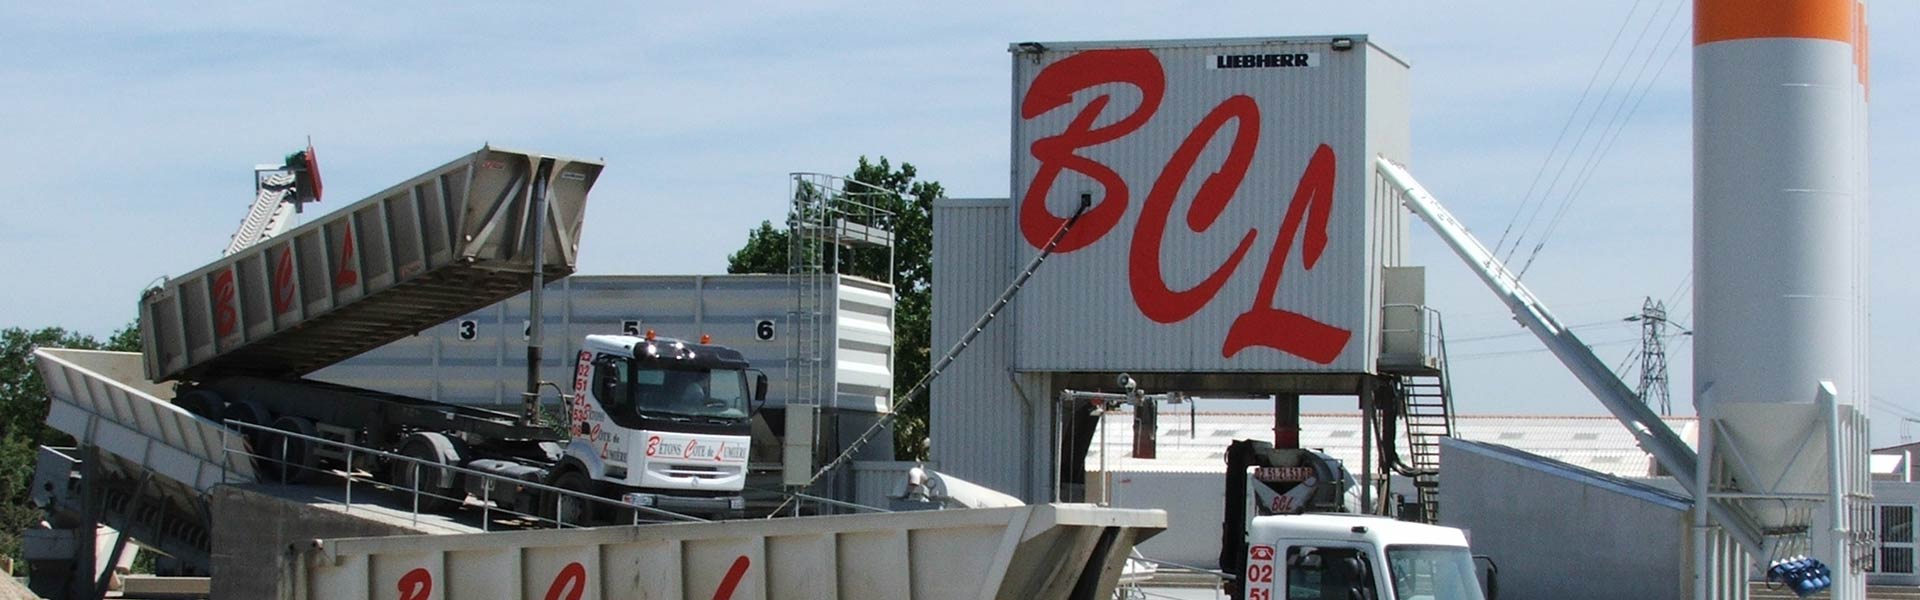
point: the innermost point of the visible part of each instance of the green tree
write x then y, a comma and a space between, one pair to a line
23, 415
765, 252
908, 206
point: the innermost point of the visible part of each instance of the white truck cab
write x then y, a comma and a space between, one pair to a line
665, 421
1355, 557
1289, 536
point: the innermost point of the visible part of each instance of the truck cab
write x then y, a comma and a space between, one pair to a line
665, 422
1288, 535
1354, 557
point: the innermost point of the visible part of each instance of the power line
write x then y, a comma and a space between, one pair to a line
1578, 140
1620, 370
1686, 285
1479, 355
1609, 135
1584, 94
1523, 332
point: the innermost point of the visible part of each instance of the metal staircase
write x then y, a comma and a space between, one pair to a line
1428, 405
1417, 362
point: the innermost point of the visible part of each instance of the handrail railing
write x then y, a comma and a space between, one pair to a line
286, 439
1426, 326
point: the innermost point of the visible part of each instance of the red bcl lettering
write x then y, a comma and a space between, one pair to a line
734, 574
1149, 285
571, 581
345, 275
1262, 325
1284, 330
1054, 87
283, 281
416, 585
225, 317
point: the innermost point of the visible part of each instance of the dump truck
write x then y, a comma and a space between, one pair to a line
657, 421
1287, 534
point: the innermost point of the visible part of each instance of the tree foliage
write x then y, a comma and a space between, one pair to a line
765, 252
908, 212
23, 414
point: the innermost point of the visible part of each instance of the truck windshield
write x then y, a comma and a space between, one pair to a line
1432, 573
689, 393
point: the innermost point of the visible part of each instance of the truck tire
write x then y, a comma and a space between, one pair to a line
293, 459
252, 414
575, 511
205, 403
435, 496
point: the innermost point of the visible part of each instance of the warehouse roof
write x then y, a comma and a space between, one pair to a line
1198, 443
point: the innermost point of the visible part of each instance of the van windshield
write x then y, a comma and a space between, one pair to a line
1433, 573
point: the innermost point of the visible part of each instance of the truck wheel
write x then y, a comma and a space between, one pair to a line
434, 497
251, 414
205, 403
293, 458
575, 511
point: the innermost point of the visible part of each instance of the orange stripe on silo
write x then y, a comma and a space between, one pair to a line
1722, 20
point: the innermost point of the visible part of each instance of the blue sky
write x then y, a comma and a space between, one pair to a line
130, 131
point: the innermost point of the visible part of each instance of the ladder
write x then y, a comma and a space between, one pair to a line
1418, 367
271, 213
1428, 413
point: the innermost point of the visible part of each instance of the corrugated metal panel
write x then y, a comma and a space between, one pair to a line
439, 244
1389, 134
875, 480
979, 422
479, 358
1038, 552
863, 353
1112, 301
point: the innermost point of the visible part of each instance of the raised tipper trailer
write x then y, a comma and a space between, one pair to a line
442, 244
239, 335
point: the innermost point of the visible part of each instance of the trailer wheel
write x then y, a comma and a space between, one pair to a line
251, 414
293, 458
434, 497
205, 403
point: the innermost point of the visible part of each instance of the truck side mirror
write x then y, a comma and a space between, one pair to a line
1493, 576
759, 389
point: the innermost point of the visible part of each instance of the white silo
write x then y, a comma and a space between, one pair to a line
1780, 264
